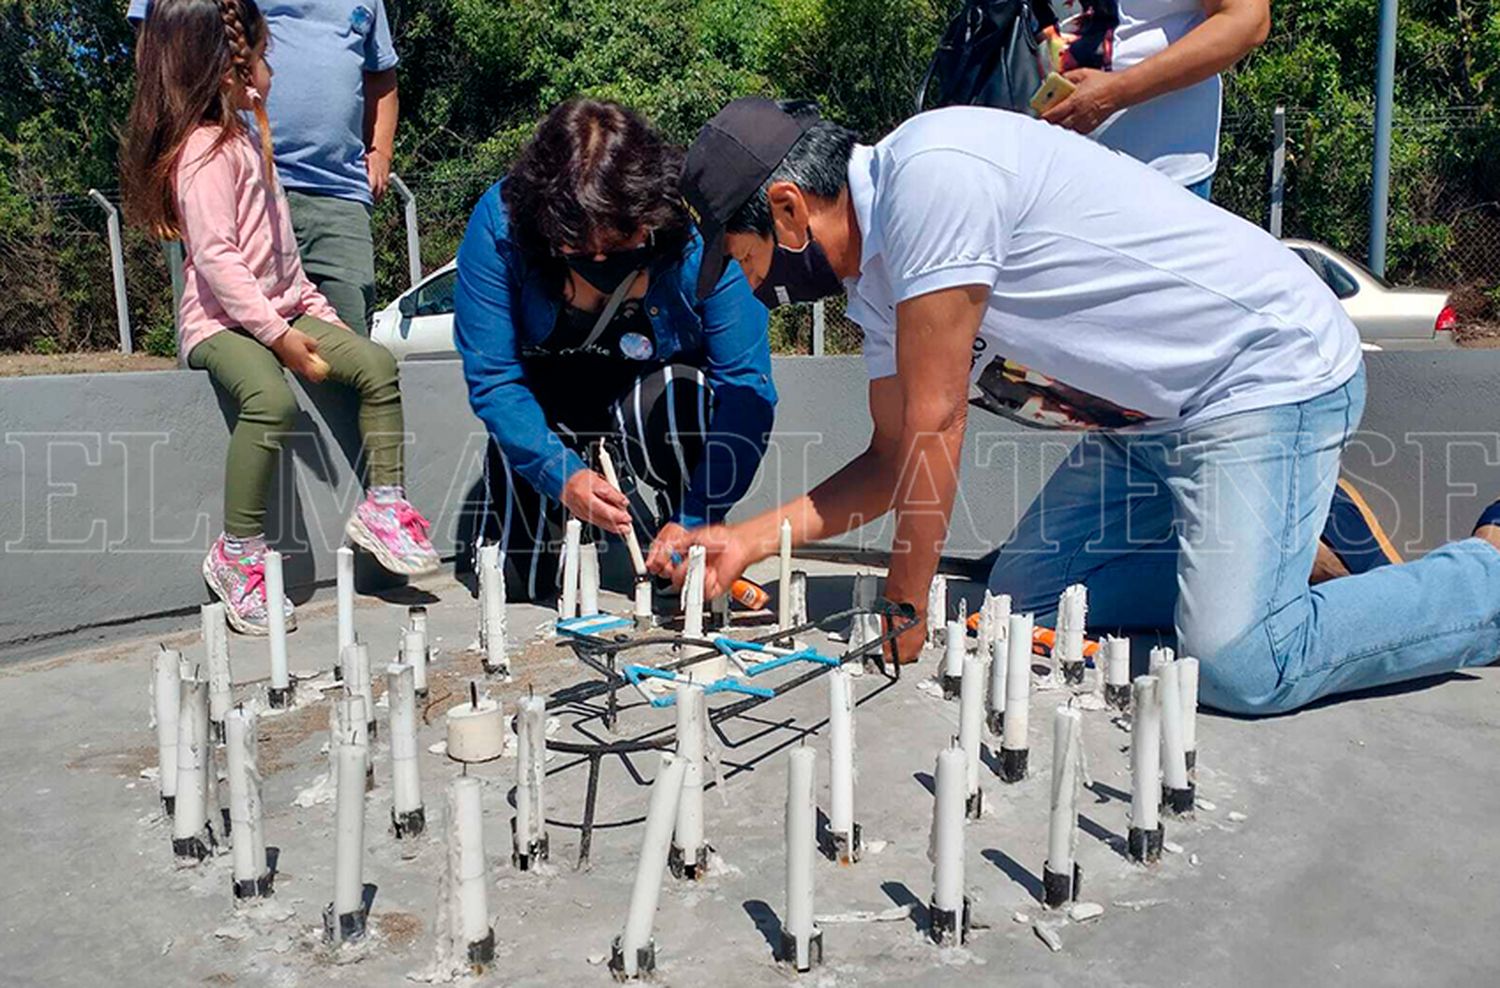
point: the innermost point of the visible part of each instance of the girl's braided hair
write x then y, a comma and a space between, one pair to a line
231, 12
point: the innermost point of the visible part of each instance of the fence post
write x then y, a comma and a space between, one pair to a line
117, 266
1278, 170
819, 327
1380, 166
413, 238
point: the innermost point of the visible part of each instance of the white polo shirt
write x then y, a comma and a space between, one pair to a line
1117, 298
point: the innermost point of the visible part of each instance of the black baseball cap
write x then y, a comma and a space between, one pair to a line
730, 159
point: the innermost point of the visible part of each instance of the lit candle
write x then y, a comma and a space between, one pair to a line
784, 584
634, 951
1013, 744
999, 648
1072, 609
588, 579
1059, 873
1145, 770
252, 876
949, 909
345, 917
492, 610
1187, 687
798, 593
842, 828
530, 839
692, 593
801, 946
953, 658
166, 689
192, 834
280, 693
344, 576
1177, 788
468, 874
573, 535
1117, 672
408, 817
220, 680
970, 726
937, 610
689, 857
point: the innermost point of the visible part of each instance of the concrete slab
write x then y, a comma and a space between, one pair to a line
1350, 844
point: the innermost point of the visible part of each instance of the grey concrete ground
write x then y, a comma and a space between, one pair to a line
1353, 844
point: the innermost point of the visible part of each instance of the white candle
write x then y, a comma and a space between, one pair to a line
937, 609
692, 593
841, 757
466, 858
166, 685
416, 620
406, 782
414, 656
865, 626
801, 835
1062, 830
798, 593
1174, 755
588, 579
1018, 683
194, 765
642, 602
246, 833
573, 535
632, 542
1072, 610
999, 649
476, 732
357, 678
688, 839
1145, 754
349, 818
970, 724
531, 758
784, 584
281, 678
953, 650
220, 680
492, 609
1117, 661
344, 576
947, 847
1159, 656
1187, 688
655, 843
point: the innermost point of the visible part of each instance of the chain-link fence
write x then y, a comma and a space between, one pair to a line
1444, 227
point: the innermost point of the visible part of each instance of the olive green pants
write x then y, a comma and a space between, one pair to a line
268, 410
338, 253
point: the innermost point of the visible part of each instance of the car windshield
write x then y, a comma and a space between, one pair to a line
1334, 275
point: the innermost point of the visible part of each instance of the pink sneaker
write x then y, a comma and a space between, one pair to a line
394, 533
240, 582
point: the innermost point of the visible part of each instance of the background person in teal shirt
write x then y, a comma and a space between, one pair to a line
333, 116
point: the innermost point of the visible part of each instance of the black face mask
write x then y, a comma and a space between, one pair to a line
800, 275
616, 266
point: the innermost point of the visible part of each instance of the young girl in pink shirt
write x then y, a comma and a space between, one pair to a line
191, 170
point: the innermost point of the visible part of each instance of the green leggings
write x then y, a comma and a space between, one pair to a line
250, 372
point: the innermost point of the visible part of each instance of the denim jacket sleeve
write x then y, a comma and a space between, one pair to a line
486, 308
738, 355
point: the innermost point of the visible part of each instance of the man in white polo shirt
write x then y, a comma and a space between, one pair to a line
1070, 286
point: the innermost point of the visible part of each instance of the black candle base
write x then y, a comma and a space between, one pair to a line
645, 960
193, 849
948, 926
847, 848
1144, 846
1178, 802
1013, 764
974, 804
255, 888
1118, 697
952, 685
533, 854
995, 720
280, 699
682, 868
482, 952
409, 824
344, 927
787, 953
1060, 888
1072, 673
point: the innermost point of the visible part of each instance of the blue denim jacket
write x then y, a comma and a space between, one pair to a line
501, 305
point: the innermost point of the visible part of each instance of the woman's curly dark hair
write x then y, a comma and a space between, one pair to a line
594, 167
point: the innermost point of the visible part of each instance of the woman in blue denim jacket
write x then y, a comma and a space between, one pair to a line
577, 317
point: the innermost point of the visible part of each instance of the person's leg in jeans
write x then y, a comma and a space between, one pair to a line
1251, 491
1102, 521
338, 253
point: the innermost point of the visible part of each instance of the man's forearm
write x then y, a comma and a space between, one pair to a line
382, 109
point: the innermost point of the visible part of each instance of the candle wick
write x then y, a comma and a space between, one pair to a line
473, 694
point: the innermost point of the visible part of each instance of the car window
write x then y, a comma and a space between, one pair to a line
1333, 274
435, 297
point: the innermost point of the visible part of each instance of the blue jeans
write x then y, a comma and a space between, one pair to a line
1203, 189
1213, 530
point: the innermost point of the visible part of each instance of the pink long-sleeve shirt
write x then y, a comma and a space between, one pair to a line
240, 266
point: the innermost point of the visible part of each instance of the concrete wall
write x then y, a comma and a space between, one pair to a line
110, 485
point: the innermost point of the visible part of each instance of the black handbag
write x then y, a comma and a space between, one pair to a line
987, 57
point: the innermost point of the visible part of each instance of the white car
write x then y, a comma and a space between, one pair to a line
1387, 316
420, 322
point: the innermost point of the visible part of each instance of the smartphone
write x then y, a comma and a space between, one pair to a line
1053, 89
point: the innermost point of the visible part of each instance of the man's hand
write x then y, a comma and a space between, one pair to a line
298, 353
907, 647
1095, 97
591, 498
727, 551
378, 168
672, 538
